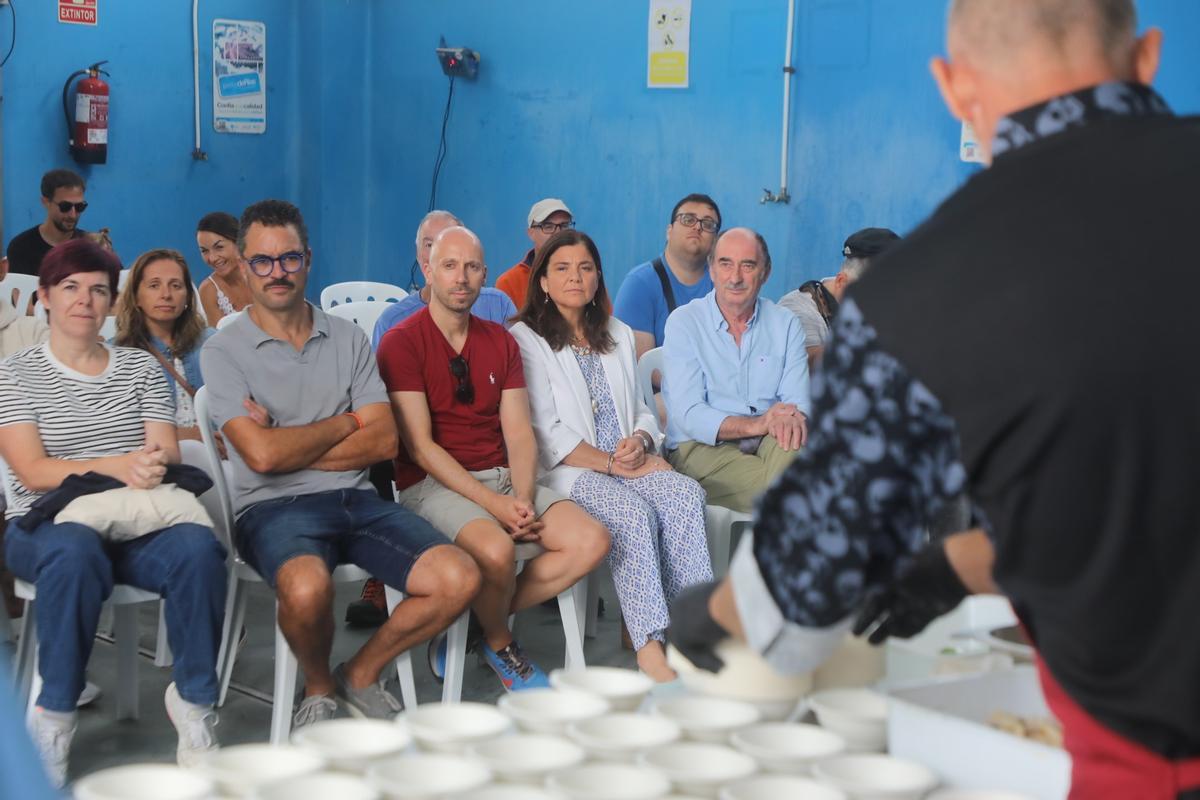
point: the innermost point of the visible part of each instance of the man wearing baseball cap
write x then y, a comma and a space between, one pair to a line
815, 302
546, 218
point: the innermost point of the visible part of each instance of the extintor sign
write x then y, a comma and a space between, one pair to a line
77, 12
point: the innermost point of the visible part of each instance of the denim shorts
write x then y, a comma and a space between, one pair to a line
343, 526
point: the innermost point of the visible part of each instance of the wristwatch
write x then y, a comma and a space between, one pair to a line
647, 441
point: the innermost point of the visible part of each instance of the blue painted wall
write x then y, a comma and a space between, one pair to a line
560, 108
151, 192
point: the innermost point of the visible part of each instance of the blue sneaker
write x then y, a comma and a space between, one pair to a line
436, 656
513, 667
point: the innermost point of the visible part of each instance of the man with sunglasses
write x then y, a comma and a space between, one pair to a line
653, 290
62, 197
468, 460
546, 218
298, 397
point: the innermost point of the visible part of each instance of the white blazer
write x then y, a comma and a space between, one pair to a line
562, 407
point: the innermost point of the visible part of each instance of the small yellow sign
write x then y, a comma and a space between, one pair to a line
668, 69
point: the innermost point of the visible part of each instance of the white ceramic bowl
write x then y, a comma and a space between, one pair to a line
744, 676
527, 757
780, 787
351, 745
698, 767
707, 719
787, 746
144, 782
509, 793
609, 782
426, 776
322, 786
451, 727
624, 689
242, 769
976, 794
621, 736
870, 776
858, 715
551, 710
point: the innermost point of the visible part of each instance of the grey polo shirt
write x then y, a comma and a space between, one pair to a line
334, 373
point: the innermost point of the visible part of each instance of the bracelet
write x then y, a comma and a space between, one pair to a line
647, 440
357, 419
610, 463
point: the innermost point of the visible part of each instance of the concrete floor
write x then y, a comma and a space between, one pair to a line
101, 741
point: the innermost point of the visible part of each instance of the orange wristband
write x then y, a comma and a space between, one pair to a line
357, 419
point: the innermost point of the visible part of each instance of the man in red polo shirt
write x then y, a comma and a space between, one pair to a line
468, 457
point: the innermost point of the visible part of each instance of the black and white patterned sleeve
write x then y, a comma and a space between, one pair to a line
882, 457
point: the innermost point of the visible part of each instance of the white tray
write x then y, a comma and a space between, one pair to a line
943, 724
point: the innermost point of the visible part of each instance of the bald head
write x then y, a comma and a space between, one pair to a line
455, 272
1072, 32
458, 239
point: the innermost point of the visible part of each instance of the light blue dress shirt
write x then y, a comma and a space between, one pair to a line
492, 305
708, 377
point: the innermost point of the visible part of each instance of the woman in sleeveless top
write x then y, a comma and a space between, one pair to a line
225, 291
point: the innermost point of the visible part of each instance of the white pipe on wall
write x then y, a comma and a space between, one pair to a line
787, 103
197, 153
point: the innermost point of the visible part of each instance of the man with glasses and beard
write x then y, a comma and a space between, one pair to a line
651, 291
736, 382
468, 460
62, 197
298, 397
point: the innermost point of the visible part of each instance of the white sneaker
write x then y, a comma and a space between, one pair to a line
195, 725
90, 694
52, 733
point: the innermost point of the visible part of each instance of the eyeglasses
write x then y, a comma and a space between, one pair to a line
464, 392
707, 224
262, 266
66, 205
553, 227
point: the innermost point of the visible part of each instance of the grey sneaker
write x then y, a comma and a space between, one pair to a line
195, 725
318, 708
373, 702
52, 734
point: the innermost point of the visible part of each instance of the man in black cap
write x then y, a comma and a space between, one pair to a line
815, 302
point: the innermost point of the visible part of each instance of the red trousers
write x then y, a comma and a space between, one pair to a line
1106, 765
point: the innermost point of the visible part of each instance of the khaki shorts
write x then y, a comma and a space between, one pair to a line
449, 511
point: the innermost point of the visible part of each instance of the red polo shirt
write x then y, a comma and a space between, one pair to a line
414, 356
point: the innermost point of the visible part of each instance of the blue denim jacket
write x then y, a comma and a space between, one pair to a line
191, 362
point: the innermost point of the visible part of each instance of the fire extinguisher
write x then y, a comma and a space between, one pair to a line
87, 129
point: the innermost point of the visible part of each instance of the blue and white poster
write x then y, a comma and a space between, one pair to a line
239, 76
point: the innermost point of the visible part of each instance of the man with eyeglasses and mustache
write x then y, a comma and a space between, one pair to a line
546, 218
736, 382
298, 397
469, 459
62, 197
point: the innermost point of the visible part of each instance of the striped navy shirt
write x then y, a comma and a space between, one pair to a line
79, 416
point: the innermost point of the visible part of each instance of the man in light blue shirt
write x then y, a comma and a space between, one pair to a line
736, 378
492, 304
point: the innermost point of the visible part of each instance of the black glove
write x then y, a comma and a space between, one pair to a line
693, 631
928, 589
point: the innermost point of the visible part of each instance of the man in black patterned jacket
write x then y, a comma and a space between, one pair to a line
993, 352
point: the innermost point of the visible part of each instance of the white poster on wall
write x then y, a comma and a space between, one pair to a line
239, 76
669, 50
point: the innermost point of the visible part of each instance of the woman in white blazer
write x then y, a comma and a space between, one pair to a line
597, 439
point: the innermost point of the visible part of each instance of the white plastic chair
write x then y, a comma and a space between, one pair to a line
26, 286
358, 291
124, 600
363, 313
229, 318
241, 574
719, 521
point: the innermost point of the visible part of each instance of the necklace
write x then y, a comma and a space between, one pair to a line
581, 346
